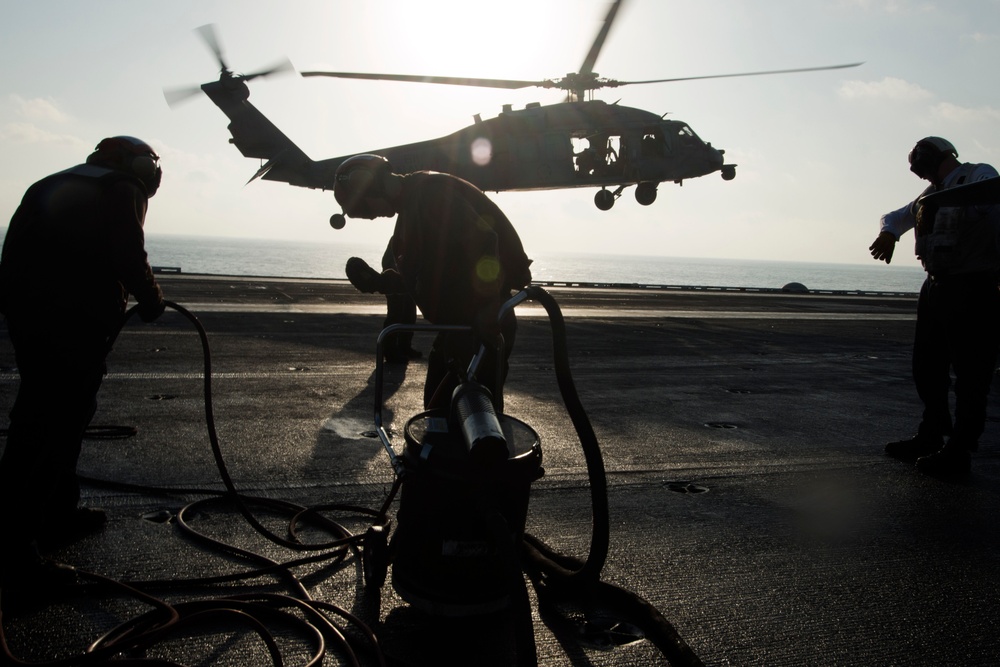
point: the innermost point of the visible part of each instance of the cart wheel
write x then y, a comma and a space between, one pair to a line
375, 556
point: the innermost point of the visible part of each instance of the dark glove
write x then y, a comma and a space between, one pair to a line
882, 247
151, 309
363, 277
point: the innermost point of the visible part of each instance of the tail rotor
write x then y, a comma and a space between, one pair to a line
210, 37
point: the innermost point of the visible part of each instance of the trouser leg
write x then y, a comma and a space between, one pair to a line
453, 352
931, 362
437, 371
974, 339
400, 309
55, 402
67, 442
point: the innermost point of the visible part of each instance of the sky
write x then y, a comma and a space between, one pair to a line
820, 155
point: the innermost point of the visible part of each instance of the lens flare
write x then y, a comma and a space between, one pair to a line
482, 151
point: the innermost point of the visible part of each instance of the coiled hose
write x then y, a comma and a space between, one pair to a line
313, 621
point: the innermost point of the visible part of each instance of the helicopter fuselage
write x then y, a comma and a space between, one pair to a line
568, 145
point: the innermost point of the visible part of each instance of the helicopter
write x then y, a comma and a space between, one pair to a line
580, 142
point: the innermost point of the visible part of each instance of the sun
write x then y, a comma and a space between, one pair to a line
515, 39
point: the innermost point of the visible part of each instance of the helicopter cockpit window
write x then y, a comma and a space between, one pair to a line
686, 135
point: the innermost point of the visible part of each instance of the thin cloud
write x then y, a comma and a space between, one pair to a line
37, 109
957, 114
888, 6
979, 38
29, 133
889, 88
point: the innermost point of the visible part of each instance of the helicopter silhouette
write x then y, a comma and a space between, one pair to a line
580, 142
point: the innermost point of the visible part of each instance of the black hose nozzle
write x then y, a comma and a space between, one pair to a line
472, 409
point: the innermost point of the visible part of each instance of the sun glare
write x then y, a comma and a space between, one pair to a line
522, 40
515, 39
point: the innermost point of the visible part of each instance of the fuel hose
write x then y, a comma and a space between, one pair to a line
558, 576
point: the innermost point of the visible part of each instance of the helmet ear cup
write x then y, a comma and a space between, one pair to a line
363, 181
144, 167
372, 183
925, 159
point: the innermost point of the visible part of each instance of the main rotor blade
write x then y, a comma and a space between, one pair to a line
729, 76
175, 96
448, 80
567, 83
283, 66
211, 39
588, 63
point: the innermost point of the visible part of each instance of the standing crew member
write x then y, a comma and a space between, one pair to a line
455, 253
958, 311
73, 253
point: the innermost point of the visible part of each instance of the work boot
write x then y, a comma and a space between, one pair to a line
363, 277
396, 356
911, 449
74, 526
952, 460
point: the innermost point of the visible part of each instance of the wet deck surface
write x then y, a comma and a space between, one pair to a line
750, 500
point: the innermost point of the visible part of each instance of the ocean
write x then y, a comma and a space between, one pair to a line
294, 259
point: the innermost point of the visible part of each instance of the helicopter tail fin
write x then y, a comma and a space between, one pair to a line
257, 137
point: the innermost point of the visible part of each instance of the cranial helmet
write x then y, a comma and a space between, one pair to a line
928, 154
359, 178
130, 155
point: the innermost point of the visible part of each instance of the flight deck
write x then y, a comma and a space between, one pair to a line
750, 502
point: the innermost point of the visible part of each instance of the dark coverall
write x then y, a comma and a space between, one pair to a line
400, 309
74, 250
958, 327
958, 313
459, 257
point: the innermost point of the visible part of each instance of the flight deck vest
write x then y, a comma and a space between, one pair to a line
938, 229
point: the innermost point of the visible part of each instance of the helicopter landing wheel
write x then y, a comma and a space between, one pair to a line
645, 193
604, 199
